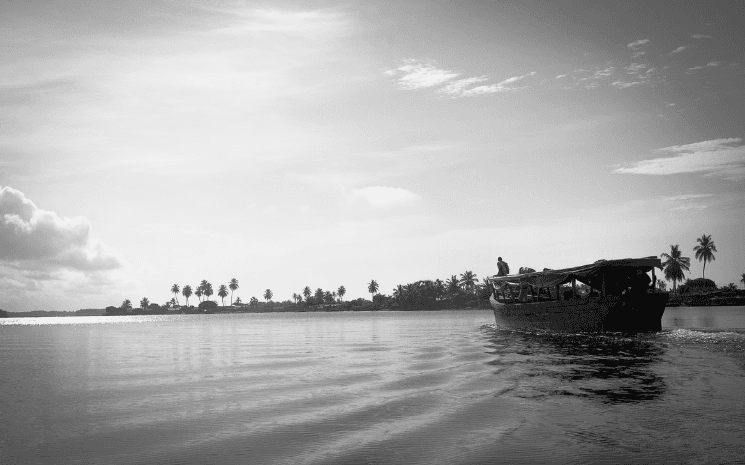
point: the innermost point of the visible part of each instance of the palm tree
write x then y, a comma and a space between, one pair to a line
253, 301
268, 295
468, 280
372, 287
439, 288
742, 280
318, 295
705, 251
342, 290
453, 285
294, 297
175, 290
186, 292
144, 303
238, 302
127, 304
674, 265
207, 291
198, 293
306, 292
233, 286
222, 291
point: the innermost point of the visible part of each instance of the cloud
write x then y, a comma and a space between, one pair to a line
307, 23
624, 85
416, 74
636, 47
560, 76
499, 87
674, 198
711, 64
700, 36
719, 157
425, 74
639, 43
38, 239
457, 88
385, 197
678, 50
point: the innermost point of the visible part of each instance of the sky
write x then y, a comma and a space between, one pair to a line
320, 144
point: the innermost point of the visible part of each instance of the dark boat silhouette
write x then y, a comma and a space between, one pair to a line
621, 298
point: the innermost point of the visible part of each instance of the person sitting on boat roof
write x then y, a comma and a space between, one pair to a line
503, 269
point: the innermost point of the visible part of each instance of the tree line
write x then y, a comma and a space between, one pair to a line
462, 291
675, 265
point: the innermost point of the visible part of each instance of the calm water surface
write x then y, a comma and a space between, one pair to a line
383, 387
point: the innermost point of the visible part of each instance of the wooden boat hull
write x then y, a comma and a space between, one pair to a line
616, 314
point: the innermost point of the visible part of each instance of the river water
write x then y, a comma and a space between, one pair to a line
382, 387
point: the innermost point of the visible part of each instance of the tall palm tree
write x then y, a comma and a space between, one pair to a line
175, 290
307, 292
144, 303
373, 287
674, 265
233, 286
705, 251
294, 297
186, 292
742, 280
208, 291
222, 291
468, 281
342, 290
268, 295
127, 304
198, 293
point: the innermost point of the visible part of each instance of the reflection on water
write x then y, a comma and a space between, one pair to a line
609, 368
704, 317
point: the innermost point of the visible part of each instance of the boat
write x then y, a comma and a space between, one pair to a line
613, 296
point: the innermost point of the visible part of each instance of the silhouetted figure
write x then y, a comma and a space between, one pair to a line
503, 269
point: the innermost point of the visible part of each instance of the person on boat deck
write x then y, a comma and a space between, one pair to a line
503, 269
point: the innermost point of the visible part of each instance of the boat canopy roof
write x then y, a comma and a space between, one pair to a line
584, 273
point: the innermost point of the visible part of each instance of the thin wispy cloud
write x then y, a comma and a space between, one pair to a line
425, 74
711, 64
674, 198
723, 158
499, 87
456, 88
636, 47
686, 202
307, 23
678, 50
417, 74
624, 84
700, 36
637, 74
